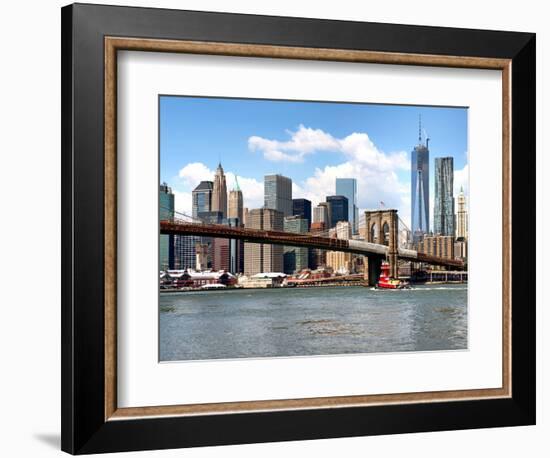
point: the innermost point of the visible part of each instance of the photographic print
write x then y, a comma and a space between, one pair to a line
311, 228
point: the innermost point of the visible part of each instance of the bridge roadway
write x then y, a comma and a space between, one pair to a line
300, 240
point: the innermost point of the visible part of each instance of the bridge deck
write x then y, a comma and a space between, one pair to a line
298, 240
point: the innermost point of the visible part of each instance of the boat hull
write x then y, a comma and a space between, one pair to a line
392, 286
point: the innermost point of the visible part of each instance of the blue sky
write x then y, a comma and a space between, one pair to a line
310, 142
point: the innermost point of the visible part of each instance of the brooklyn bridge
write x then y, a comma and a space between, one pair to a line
379, 226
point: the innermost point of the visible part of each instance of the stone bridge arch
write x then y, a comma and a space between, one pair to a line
382, 228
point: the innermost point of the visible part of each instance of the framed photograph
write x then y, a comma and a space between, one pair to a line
282, 228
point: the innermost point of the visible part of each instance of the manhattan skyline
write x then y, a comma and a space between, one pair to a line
313, 143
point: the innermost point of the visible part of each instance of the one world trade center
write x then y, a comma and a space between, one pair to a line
420, 187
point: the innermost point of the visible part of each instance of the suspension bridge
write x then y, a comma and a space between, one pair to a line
377, 226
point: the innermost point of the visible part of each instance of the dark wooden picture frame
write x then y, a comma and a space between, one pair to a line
91, 37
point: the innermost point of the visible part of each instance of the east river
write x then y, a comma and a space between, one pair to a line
311, 321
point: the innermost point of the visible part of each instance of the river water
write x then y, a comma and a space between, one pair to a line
311, 321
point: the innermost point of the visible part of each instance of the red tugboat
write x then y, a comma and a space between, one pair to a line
386, 282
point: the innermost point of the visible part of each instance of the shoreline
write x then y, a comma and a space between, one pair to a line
197, 290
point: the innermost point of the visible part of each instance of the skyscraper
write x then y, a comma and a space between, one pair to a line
166, 202
461, 216
211, 217
343, 230
302, 208
338, 209
339, 261
441, 246
186, 254
321, 214
185, 251
260, 257
235, 207
219, 192
420, 187
348, 187
235, 218
278, 194
295, 258
166, 242
220, 254
319, 256
444, 205
202, 198
236, 249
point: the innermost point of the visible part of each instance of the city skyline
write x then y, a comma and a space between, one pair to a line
311, 155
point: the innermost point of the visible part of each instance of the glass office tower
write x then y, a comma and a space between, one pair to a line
348, 187
302, 208
186, 244
166, 242
278, 194
202, 197
444, 206
295, 259
338, 209
420, 188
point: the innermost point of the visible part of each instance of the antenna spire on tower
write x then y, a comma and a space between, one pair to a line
237, 182
419, 129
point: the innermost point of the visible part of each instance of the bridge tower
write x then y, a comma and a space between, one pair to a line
381, 226
372, 265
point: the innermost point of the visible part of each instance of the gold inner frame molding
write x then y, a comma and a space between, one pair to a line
114, 44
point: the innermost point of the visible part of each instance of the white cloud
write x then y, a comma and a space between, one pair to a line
305, 141
461, 180
192, 174
377, 172
253, 192
359, 148
182, 202
302, 142
374, 185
